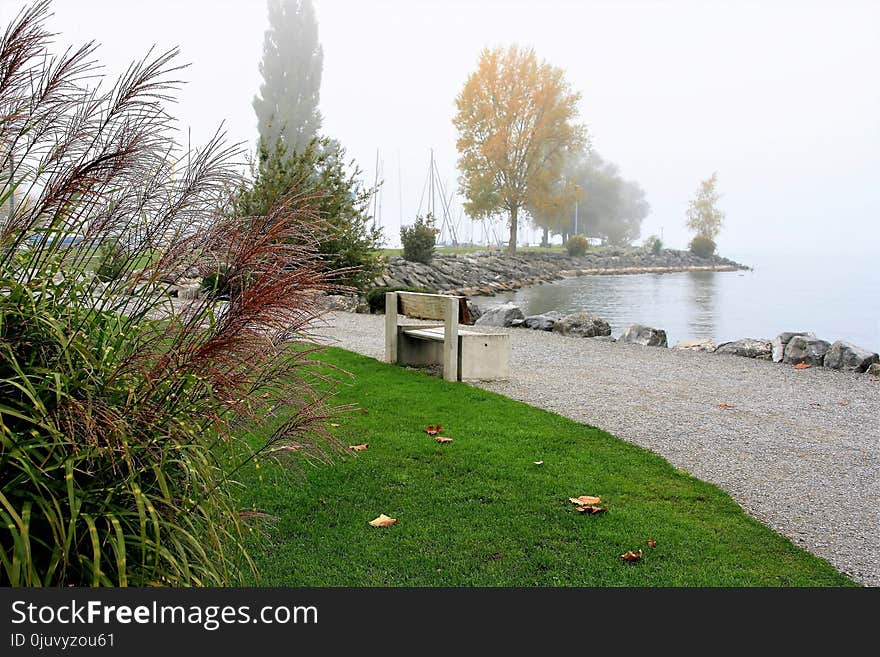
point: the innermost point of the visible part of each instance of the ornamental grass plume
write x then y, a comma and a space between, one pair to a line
119, 403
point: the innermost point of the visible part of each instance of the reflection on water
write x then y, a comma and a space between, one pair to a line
702, 322
838, 301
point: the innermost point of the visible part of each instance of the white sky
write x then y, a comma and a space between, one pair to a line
781, 98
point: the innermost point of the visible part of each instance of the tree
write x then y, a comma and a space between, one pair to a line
321, 173
609, 206
703, 215
291, 68
550, 207
515, 123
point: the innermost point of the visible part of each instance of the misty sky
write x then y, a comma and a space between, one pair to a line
782, 99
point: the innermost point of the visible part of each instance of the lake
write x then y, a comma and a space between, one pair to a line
835, 296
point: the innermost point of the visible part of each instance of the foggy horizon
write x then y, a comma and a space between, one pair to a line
781, 99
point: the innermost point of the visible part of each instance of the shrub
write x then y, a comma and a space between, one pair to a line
320, 172
376, 296
654, 245
702, 246
577, 245
112, 261
118, 419
419, 239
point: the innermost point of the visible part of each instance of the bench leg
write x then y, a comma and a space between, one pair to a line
450, 342
391, 327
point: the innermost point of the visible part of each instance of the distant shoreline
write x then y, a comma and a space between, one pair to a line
487, 273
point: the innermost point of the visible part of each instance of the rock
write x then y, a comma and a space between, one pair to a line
502, 315
474, 311
805, 349
544, 322
604, 338
874, 370
583, 325
697, 345
189, 291
345, 302
849, 358
644, 335
747, 348
781, 340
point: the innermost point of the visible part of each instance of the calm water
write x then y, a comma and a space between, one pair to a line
835, 296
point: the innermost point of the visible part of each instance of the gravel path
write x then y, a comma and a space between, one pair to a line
799, 450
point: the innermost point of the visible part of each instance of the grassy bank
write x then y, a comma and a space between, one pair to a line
479, 511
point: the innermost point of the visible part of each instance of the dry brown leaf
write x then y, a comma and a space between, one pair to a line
358, 448
591, 510
843, 403
585, 500
383, 521
802, 366
538, 462
433, 431
874, 379
443, 440
335, 424
629, 555
726, 406
652, 542
265, 395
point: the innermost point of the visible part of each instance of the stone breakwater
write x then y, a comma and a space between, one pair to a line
487, 273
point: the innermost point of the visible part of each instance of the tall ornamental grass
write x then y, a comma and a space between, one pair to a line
119, 403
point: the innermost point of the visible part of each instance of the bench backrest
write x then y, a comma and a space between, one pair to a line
430, 306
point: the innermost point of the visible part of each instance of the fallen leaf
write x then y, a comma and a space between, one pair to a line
874, 379
265, 395
496, 556
432, 430
629, 555
358, 448
843, 403
802, 366
383, 521
538, 462
726, 406
585, 500
443, 440
335, 424
652, 542
591, 510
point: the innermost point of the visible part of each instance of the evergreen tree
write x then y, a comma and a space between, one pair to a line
291, 68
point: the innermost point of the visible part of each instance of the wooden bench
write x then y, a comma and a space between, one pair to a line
464, 354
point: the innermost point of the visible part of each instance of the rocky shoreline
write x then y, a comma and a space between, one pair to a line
487, 273
800, 349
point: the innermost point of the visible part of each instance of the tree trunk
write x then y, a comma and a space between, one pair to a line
545, 240
511, 245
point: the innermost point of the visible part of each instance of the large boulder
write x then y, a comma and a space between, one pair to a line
644, 335
582, 325
747, 348
544, 322
697, 345
849, 358
805, 349
781, 340
502, 315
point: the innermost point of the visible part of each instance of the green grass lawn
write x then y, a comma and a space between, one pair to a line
479, 512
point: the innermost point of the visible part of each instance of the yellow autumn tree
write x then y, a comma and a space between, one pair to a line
516, 123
